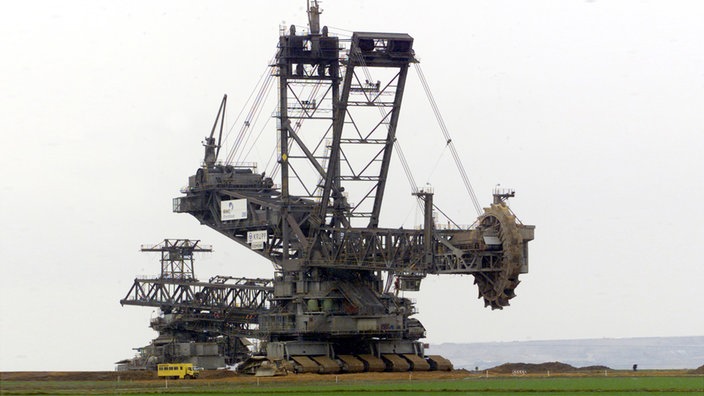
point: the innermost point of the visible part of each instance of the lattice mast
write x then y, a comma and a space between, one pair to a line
177, 257
308, 70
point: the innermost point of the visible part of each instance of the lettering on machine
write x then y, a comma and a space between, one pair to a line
235, 209
256, 239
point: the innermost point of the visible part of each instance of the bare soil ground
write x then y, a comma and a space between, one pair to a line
225, 375
508, 369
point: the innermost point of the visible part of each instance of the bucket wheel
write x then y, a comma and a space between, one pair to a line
497, 287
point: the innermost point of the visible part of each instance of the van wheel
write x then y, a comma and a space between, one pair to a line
188, 376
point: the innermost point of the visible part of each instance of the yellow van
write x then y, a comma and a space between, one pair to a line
177, 370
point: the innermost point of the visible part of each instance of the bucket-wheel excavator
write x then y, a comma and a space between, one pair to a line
333, 304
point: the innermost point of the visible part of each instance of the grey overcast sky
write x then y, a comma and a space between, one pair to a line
592, 110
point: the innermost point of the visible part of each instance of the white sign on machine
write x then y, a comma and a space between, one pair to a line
257, 239
235, 209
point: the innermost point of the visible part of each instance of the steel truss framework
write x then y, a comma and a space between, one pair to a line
246, 297
177, 257
239, 301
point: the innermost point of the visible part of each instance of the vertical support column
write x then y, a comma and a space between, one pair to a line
337, 135
390, 138
428, 223
332, 181
284, 69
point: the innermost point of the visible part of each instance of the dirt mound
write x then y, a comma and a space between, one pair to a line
699, 370
529, 368
535, 368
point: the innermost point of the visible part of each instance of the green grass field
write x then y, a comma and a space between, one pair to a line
642, 385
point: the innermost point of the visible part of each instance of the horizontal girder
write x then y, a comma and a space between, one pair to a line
228, 300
